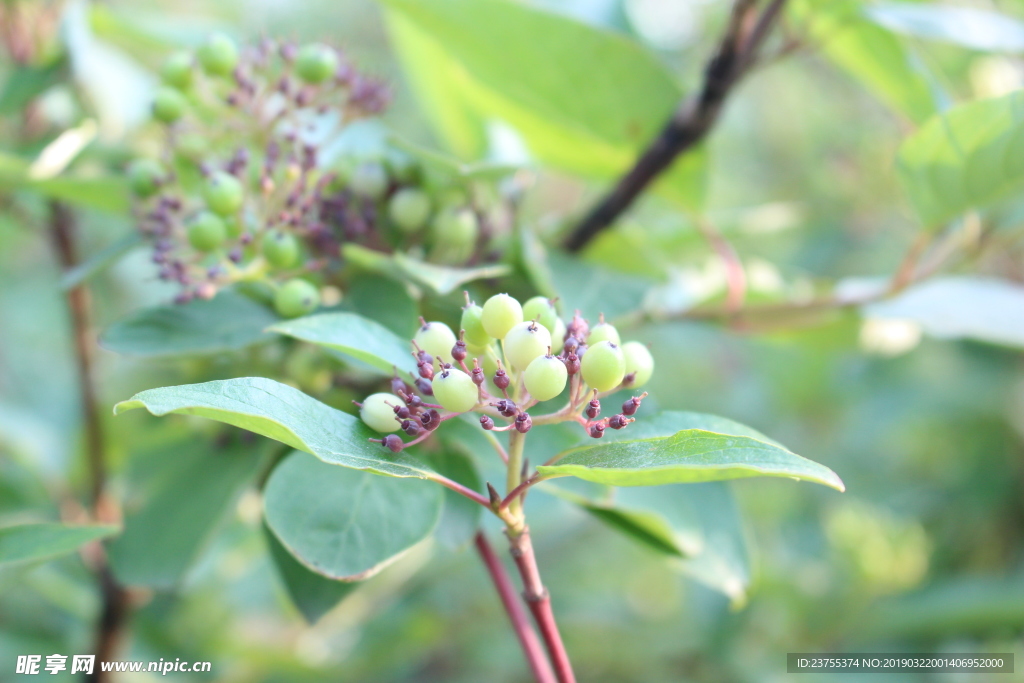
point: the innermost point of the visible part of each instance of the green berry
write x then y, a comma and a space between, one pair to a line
296, 297
177, 70
603, 366
541, 309
370, 180
378, 415
500, 314
524, 342
437, 339
281, 249
169, 105
455, 391
316, 63
409, 209
145, 177
472, 323
207, 232
545, 377
191, 147
639, 362
234, 226
455, 228
603, 332
218, 55
223, 193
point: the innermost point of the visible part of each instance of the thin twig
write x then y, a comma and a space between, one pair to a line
535, 657
735, 276
693, 119
460, 489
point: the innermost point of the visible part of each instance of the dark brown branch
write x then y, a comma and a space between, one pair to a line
736, 53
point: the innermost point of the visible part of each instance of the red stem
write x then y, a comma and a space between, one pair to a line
520, 622
539, 601
463, 490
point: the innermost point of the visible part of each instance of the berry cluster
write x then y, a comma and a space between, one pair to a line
507, 358
251, 188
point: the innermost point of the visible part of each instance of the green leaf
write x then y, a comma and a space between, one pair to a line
872, 55
99, 261
477, 63
102, 193
594, 289
702, 448
445, 279
967, 157
973, 28
284, 414
355, 336
227, 322
25, 83
344, 524
437, 163
182, 502
461, 516
313, 594
28, 543
386, 301
960, 307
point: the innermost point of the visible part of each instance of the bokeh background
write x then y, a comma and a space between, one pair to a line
923, 552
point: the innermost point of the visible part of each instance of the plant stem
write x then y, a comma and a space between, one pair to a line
516, 441
115, 600
539, 601
539, 664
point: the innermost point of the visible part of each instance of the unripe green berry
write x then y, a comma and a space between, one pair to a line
500, 314
545, 378
524, 342
316, 63
541, 309
370, 180
455, 228
177, 70
219, 55
603, 332
281, 249
455, 391
234, 226
472, 323
409, 209
223, 193
145, 176
191, 147
603, 366
378, 415
169, 105
639, 362
207, 232
437, 339
296, 297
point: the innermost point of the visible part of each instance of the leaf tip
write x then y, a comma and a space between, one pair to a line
127, 405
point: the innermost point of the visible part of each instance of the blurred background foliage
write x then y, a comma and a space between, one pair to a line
917, 403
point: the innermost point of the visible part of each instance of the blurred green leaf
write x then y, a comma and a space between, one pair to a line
960, 307
461, 516
445, 279
313, 594
28, 543
25, 83
703, 448
346, 524
475, 63
441, 164
386, 301
227, 322
284, 414
872, 55
966, 157
99, 261
970, 27
183, 501
355, 336
589, 288
108, 194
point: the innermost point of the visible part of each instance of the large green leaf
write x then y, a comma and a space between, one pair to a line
28, 543
227, 322
345, 524
475, 63
182, 498
353, 335
284, 414
872, 55
702, 448
386, 301
970, 27
313, 594
964, 158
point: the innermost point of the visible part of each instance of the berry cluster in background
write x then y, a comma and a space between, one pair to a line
253, 186
507, 358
